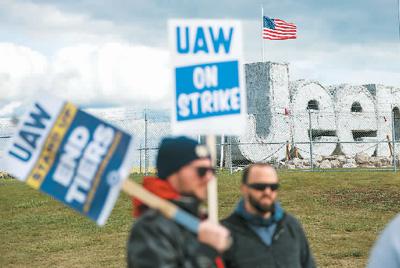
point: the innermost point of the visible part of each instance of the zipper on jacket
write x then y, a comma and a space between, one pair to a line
277, 234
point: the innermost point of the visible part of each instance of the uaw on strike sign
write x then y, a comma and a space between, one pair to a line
72, 156
207, 77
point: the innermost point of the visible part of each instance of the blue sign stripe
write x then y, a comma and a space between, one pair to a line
188, 221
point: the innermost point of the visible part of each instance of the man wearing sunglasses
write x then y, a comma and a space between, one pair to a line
264, 234
184, 170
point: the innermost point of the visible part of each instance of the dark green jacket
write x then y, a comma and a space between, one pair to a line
289, 248
156, 241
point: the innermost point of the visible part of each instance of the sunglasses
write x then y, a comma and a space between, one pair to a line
262, 186
202, 171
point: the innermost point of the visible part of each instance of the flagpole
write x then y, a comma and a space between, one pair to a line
398, 15
262, 30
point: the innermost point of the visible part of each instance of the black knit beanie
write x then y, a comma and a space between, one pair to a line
175, 153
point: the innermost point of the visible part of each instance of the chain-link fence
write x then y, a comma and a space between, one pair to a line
321, 141
6, 130
298, 140
3, 143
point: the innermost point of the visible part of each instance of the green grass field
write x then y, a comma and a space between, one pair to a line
342, 214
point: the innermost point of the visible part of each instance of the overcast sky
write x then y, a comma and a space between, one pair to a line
101, 53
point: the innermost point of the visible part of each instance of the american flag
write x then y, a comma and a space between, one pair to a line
276, 29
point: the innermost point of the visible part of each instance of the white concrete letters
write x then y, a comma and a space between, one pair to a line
278, 112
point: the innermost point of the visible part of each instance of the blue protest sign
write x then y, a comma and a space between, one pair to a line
207, 77
71, 155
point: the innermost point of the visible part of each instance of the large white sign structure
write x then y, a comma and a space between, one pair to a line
338, 116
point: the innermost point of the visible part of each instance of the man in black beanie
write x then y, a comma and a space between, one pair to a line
184, 169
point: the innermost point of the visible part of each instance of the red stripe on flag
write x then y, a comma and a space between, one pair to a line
279, 32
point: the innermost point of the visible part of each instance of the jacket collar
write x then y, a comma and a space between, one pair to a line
253, 219
238, 224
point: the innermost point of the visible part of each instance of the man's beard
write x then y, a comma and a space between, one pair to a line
262, 209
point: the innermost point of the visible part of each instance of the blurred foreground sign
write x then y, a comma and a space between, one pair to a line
72, 156
209, 90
